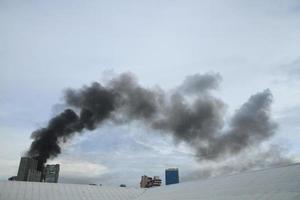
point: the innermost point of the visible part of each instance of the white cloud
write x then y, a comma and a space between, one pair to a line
73, 167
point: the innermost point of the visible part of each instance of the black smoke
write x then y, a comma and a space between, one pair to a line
190, 113
46, 140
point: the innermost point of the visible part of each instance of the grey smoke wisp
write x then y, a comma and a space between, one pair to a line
259, 158
190, 113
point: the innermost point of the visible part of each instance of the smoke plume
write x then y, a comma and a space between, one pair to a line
190, 113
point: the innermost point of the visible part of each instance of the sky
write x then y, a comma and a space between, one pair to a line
48, 46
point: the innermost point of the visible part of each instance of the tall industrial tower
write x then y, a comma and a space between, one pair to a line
28, 170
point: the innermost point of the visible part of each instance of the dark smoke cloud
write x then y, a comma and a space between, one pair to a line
95, 103
136, 102
46, 140
190, 113
250, 125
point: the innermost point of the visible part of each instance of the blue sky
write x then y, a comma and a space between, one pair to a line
48, 46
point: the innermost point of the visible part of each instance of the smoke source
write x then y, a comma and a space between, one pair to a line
190, 113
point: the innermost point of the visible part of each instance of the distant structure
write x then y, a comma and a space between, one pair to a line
172, 176
156, 181
12, 178
28, 171
34, 175
51, 173
147, 182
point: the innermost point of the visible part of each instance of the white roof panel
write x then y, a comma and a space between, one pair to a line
18, 190
282, 183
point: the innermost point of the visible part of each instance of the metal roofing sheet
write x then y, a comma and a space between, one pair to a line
18, 190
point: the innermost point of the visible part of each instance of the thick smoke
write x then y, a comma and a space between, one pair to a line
46, 140
190, 113
250, 125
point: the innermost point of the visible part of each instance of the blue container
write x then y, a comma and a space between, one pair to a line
172, 176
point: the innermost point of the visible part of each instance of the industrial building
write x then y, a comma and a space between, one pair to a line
147, 182
51, 173
28, 172
34, 175
281, 183
172, 176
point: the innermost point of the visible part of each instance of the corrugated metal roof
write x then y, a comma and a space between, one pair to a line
281, 183
18, 190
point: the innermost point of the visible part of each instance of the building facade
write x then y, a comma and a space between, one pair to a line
156, 181
172, 176
28, 171
26, 164
147, 182
51, 173
34, 175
